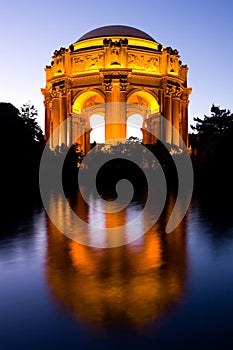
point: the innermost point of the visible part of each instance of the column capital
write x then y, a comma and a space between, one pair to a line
185, 103
47, 97
186, 92
123, 84
168, 91
107, 84
176, 93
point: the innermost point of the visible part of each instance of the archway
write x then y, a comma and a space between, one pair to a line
87, 100
86, 111
97, 129
146, 105
146, 101
134, 125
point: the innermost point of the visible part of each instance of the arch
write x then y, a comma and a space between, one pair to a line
87, 99
134, 125
144, 99
97, 125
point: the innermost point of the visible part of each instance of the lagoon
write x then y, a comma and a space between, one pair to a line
162, 291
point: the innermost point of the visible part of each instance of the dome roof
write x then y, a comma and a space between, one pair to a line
116, 30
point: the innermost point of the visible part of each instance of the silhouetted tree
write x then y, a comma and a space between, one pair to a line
21, 146
212, 143
214, 135
219, 123
29, 115
133, 139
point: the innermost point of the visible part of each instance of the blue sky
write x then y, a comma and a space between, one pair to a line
202, 32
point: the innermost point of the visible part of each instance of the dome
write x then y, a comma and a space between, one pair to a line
116, 30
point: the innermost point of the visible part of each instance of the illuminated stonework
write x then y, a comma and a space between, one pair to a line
115, 64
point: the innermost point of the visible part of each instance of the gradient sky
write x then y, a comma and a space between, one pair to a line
202, 32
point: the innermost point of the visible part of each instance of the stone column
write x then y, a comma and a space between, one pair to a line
69, 131
87, 141
167, 129
47, 105
115, 112
78, 131
145, 134
47, 121
184, 121
55, 122
63, 117
176, 118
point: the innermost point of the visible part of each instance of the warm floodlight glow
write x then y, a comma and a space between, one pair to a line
145, 99
105, 70
85, 100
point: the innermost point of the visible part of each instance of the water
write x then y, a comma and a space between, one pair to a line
163, 291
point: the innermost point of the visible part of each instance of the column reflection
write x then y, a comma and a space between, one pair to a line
130, 284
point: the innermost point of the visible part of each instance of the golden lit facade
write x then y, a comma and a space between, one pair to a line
104, 72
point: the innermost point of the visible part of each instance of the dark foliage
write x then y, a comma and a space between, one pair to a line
21, 143
115, 167
212, 146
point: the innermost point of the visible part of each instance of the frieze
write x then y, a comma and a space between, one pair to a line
83, 81
87, 63
147, 63
144, 80
116, 74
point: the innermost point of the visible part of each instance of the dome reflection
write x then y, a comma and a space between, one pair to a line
130, 284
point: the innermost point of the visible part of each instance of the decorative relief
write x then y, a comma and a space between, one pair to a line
57, 63
87, 63
59, 52
119, 43
177, 93
173, 65
58, 66
58, 90
142, 102
89, 103
172, 91
150, 64
114, 50
168, 90
55, 92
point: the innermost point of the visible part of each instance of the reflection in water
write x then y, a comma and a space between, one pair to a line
130, 284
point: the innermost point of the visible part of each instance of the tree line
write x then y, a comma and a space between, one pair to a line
212, 145
22, 143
